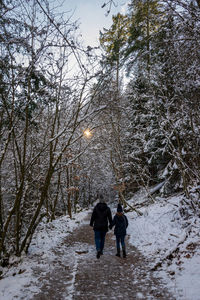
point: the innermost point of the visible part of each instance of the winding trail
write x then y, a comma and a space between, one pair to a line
76, 274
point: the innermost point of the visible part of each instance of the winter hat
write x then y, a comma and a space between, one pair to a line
119, 208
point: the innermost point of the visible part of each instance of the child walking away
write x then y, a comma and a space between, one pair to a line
120, 222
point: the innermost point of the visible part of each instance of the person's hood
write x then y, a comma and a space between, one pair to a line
101, 206
120, 216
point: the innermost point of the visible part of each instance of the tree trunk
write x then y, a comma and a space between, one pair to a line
37, 212
69, 206
56, 198
148, 40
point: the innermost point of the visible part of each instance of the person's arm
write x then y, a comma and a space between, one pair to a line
113, 222
92, 218
126, 221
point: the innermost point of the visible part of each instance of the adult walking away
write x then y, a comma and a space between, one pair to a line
101, 215
120, 222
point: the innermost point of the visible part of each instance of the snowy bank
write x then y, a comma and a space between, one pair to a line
20, 275
158, 233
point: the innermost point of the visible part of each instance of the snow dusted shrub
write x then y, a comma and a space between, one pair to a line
191, 206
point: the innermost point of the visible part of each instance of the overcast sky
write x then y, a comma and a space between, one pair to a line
92, 17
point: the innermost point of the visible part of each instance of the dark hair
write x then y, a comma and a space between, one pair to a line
101, 197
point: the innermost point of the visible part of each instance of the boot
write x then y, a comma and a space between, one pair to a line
118, 253
124, 252
98, 254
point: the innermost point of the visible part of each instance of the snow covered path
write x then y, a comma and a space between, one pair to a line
75, 273
61, 262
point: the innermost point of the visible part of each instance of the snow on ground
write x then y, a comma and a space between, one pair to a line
157, 232
20, 275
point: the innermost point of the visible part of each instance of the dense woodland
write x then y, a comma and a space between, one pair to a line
75, 120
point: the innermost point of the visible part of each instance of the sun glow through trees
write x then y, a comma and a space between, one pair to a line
87, 133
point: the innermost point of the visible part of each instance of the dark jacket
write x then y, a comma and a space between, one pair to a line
120, 222
100, 217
